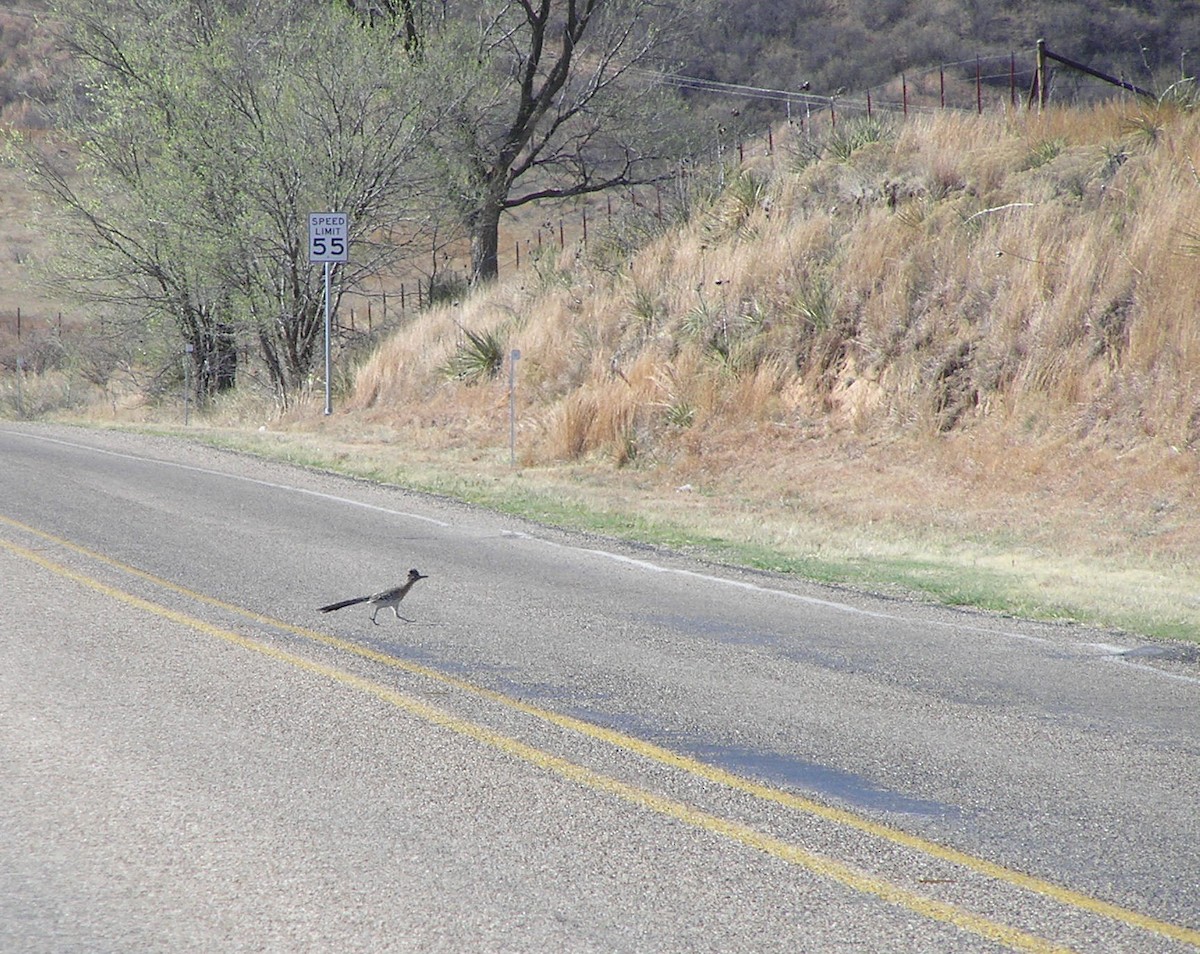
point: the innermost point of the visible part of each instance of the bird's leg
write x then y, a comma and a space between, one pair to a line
373, 615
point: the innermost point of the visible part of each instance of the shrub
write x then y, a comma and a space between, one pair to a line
479, 357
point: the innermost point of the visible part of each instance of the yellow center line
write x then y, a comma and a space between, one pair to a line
734, 831
649, 750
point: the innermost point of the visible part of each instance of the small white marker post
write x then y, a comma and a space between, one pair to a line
513, 357
188, 350
328, 242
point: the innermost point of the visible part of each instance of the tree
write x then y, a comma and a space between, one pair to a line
208, 130
560, 98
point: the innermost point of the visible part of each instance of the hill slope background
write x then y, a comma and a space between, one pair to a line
833, 46
955, 355
853, 45
958, 354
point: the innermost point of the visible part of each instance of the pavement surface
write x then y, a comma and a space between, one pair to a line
576, 744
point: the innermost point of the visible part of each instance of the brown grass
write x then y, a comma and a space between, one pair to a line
1005, 276
973, 344
983, 327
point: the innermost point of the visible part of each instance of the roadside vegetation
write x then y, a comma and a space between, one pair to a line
959, 358
955, 356
952, 272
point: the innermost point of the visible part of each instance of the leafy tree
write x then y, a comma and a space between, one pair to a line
207, 130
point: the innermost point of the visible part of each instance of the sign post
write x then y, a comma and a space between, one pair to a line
328, 243
188, 350
513, 357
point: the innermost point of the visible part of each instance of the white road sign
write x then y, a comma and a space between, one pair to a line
328, 237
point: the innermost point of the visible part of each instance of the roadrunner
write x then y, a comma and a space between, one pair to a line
393, 598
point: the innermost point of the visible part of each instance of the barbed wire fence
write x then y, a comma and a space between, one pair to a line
977, 84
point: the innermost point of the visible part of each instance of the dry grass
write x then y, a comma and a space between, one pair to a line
962, 269
977, 337
963, 358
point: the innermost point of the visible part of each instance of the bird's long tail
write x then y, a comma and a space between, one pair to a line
344, 603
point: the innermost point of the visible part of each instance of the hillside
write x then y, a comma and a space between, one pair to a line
833, 46
853, 45
26, 63
956, 342
950, 354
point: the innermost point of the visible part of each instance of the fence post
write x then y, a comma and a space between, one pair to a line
18, 322
868, 104
978, 87
942, 84
1040, 75
904, 94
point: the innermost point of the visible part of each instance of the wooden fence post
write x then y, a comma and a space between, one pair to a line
1040, 76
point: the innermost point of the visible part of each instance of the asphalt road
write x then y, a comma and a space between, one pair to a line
575, 745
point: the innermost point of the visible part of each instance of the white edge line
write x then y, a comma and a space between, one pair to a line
250, 480
1111, 652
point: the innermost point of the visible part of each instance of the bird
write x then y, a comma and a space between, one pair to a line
392, 598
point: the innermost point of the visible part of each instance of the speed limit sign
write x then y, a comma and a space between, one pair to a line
328, 237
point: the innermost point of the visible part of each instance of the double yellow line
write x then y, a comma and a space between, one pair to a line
735, 831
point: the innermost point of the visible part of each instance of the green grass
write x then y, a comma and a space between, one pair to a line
906, 569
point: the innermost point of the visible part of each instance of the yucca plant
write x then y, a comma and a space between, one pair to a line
745, 193
849, 138
1045, 151
479, 357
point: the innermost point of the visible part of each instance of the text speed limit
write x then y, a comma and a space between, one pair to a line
328, 237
